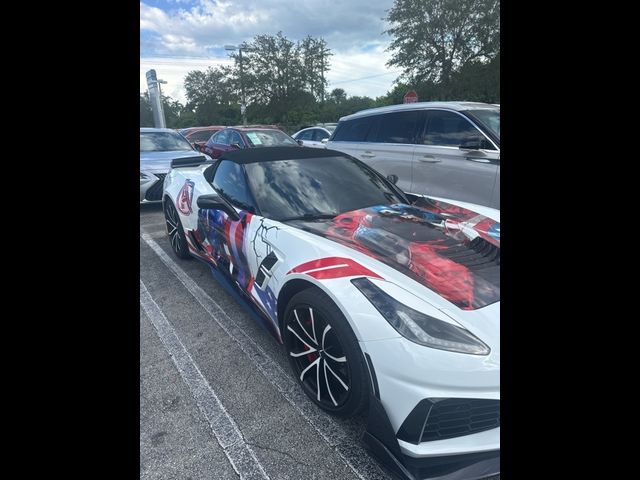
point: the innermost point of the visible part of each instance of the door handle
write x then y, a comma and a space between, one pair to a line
479, 160
368, 154
429, 159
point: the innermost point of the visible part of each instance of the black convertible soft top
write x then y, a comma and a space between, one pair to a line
271, 154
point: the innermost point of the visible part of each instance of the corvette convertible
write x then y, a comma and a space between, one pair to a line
385, 303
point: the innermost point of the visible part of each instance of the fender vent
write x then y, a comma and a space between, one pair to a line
264, 271
154, 192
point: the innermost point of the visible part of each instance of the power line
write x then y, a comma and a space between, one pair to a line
364, 78
193, 57
152, 62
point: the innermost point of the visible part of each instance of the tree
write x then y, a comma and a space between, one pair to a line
146, 115
315, 62
284, 83
283, 75
338, 95
435, 38
212, 95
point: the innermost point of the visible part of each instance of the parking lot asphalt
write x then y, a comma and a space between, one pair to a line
217, 399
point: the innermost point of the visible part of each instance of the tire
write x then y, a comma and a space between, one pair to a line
177, 237
314, 324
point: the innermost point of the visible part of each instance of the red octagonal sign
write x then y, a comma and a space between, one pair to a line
410, 97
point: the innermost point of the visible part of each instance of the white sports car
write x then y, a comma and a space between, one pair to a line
383, 304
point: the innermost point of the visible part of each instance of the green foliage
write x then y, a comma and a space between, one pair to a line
212, 96
448, 50
146, 115
435, 38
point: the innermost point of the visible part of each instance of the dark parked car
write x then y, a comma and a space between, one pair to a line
236, 138
198, 136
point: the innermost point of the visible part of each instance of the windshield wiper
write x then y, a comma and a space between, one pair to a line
311, 217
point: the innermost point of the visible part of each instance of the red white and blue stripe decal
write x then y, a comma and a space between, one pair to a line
333, 267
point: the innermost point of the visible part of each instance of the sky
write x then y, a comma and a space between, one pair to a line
177, 36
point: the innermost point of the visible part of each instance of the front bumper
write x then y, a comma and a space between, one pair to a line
403, 374
151, 186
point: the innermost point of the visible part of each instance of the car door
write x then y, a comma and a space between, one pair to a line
320, 134
306, 136
385, 142
390, 146
217, 144
234, 139
225, 235
312, 142
454, 159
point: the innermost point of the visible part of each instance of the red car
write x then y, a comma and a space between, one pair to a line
198, 136
235, 138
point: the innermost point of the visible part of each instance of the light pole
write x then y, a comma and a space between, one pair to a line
155, 98
243, 105
161, 82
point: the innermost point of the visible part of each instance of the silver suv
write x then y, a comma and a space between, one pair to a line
441, 149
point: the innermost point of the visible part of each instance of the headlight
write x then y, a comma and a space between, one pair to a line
418, 327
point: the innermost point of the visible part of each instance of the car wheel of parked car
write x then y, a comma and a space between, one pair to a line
324, 354
175, 231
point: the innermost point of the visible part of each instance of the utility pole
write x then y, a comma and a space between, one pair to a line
243, 105
322, 75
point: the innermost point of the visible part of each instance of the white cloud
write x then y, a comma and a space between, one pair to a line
173, 71
353, 31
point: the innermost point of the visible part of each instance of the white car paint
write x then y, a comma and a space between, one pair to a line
406, 372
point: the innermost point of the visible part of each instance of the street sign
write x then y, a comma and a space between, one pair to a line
410, 97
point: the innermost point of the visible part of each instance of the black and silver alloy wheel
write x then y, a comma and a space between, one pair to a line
175, 231
324, 354
319, 357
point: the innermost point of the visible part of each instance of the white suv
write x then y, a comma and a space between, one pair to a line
441, 149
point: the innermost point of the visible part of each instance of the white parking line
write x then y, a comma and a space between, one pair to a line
241, 456
355, 457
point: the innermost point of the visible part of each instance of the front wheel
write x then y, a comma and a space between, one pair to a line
176, 232
324, 354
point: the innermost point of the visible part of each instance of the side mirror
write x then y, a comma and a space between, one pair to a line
471, 143
197, 147
300, 142
392, 178
236, 146
325, 140
213, 201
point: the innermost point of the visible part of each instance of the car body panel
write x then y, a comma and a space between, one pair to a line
440, 171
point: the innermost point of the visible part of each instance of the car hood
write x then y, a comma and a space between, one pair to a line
161, 161
449, 249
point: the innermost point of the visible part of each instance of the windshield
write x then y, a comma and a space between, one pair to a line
286, 189
163, 142
490, 119
269, 138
